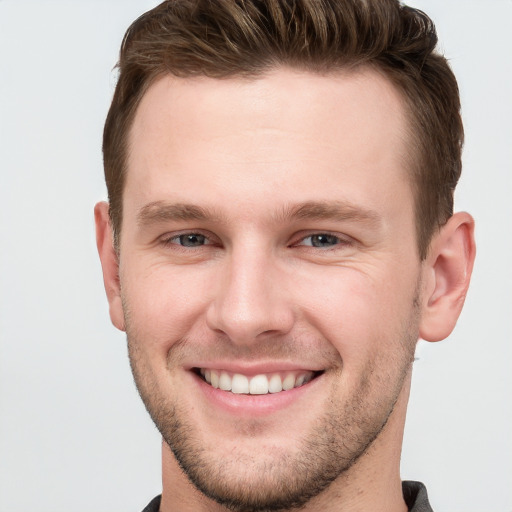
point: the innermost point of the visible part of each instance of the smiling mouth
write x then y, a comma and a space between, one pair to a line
261, 384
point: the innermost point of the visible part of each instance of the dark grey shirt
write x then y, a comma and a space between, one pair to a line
415, 496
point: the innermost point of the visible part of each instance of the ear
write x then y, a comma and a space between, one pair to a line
447, 272
109, 263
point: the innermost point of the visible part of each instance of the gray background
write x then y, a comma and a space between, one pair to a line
73, 433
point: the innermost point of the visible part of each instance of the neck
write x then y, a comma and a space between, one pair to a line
372, 483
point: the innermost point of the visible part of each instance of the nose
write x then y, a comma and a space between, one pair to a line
250, 300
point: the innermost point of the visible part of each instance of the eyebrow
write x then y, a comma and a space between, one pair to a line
163, 211
331, 210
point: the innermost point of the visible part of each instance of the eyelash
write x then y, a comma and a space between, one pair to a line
169, 240
337, 240
334, 238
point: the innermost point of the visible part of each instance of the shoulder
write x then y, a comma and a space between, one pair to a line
153, 505
415, 496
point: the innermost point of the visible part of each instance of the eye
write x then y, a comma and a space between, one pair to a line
321, 240
188, 240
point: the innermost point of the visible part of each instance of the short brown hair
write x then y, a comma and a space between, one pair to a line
225, 38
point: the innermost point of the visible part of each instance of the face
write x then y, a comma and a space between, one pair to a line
269, 276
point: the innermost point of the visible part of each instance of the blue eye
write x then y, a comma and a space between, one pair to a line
321, 240
190, 240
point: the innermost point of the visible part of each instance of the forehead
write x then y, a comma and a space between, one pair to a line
286, 133
364, 98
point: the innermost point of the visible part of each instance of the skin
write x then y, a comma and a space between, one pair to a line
268, 167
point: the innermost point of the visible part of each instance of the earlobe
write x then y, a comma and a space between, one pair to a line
447, 274
109, 263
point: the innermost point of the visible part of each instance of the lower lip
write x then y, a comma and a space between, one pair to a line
254, 405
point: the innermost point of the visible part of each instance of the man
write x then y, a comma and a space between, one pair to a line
279, 234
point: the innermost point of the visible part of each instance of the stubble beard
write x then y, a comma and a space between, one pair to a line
280, 481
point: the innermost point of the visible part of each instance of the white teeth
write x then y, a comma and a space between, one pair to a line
300, 380
275, 384
239, 384
215, 379
225, 382
257, 385
289, 382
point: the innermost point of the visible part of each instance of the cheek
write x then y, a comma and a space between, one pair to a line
162, 305
360, 315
